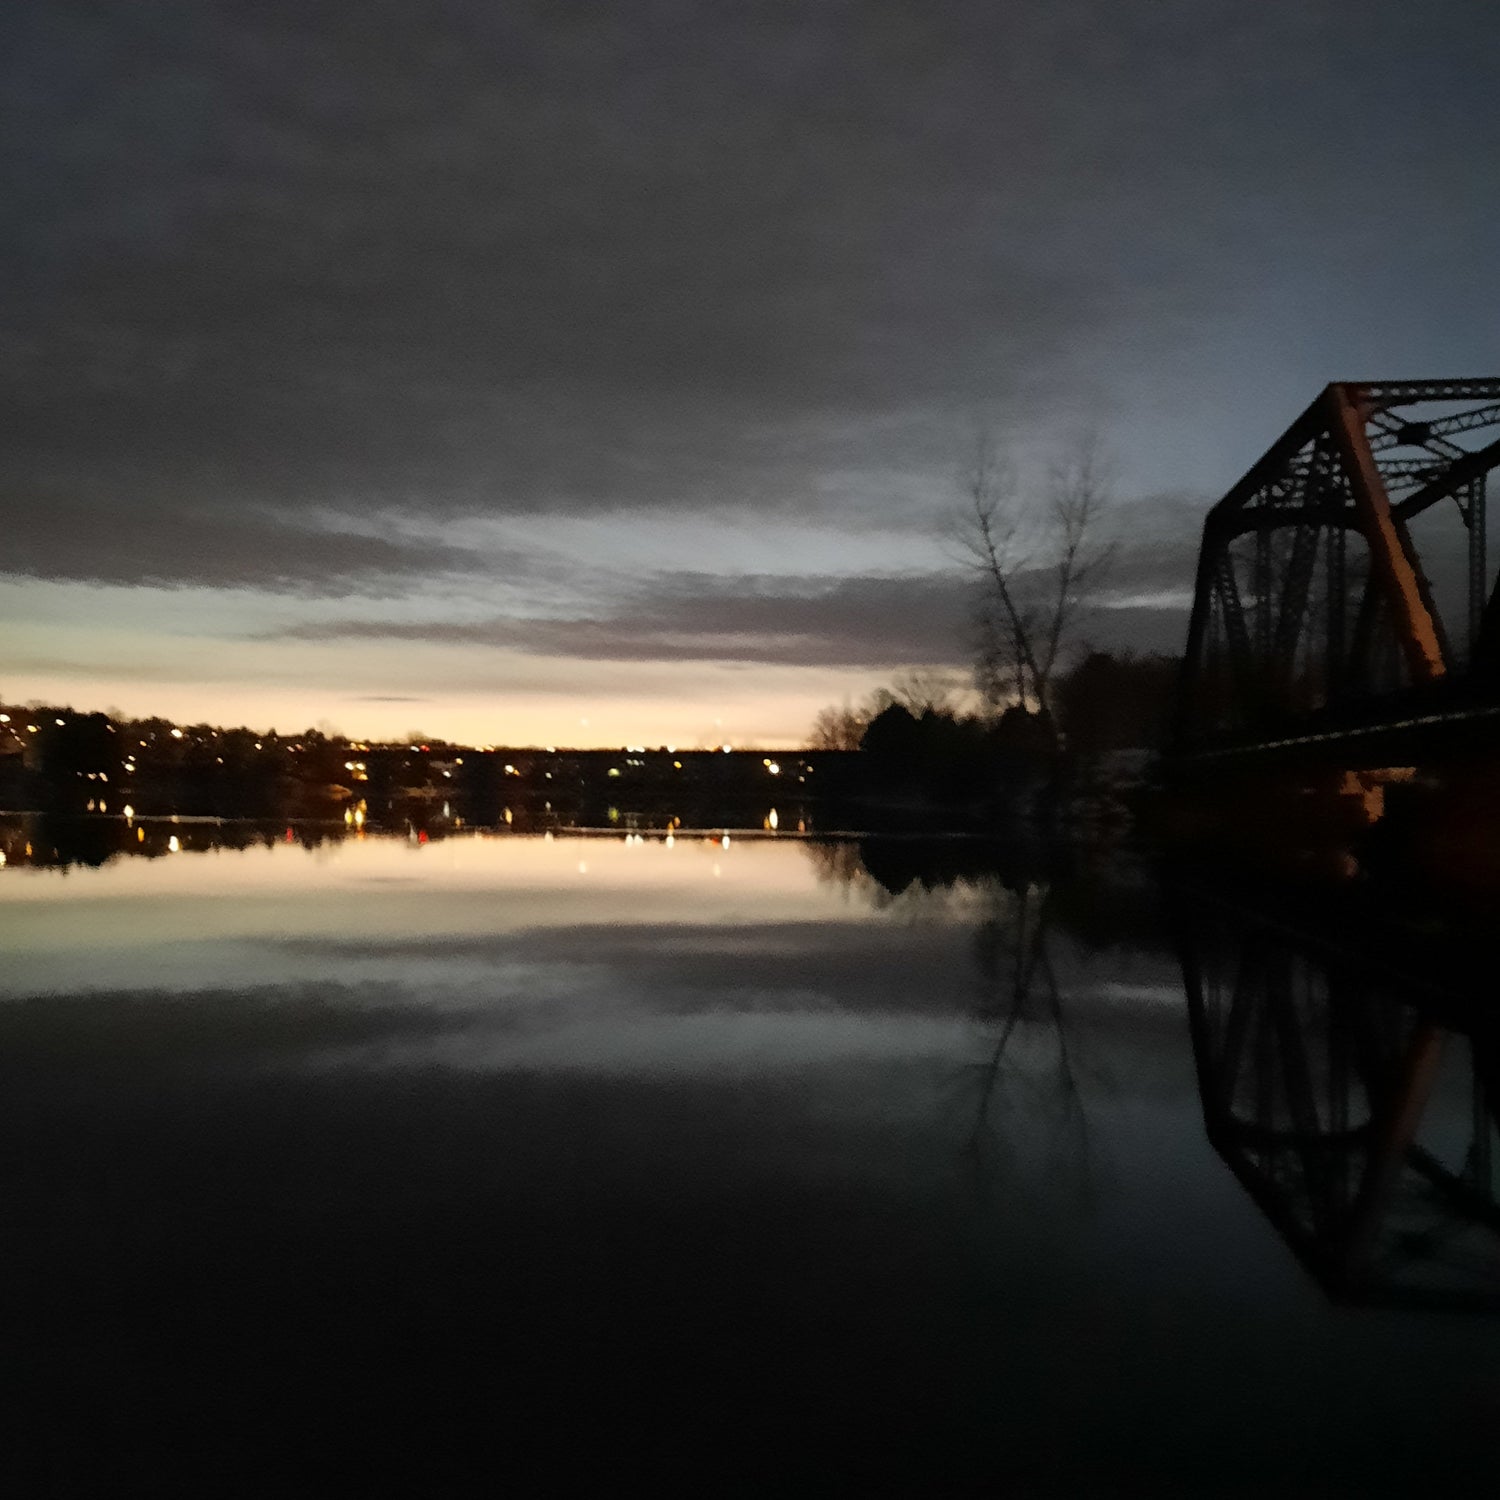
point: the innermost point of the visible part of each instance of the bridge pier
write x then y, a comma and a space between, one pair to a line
1437, 826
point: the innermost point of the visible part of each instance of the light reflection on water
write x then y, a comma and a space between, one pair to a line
860, 1159
235, 909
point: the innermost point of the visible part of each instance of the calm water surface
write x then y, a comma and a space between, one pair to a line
420, 1166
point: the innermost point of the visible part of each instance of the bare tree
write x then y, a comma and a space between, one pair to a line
919, 690
1038, 563
925, 690
838, 728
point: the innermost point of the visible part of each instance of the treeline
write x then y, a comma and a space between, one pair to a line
912, 742
56, 757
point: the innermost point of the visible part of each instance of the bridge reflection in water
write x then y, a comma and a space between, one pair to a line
1353, 1095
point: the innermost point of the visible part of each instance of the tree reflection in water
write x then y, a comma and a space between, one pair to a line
1027, 1084
1022, 999
1348, 1062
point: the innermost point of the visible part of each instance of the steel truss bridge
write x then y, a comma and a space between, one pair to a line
1345, 611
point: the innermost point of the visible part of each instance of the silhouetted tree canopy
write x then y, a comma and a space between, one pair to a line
1116, 702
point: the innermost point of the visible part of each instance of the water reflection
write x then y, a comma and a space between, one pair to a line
61, 841
881, 1160
1014, 958
1353, 1095
1039, 916
52, 840
1336, 1088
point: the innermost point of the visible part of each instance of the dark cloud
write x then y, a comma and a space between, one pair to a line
474, 258
859, 622
468, 262
851, 622
70, 540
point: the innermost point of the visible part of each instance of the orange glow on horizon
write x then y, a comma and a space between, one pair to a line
764, 711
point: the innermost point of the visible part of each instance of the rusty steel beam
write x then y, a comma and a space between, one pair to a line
1385, 393
1375, 396
1410, 471
1389, 550
1392, 432
1471, 466
1422, 433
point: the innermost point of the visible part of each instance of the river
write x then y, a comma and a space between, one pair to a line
333, 1159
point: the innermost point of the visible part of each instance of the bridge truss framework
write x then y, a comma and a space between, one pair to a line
1343, 591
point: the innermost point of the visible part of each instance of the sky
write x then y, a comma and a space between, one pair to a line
606, 374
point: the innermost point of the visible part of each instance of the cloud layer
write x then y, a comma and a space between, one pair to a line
863, 622
292, 295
